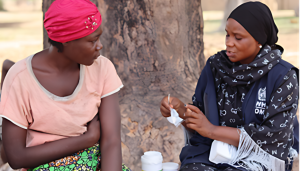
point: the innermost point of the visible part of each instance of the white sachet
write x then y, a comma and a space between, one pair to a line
221, 152
174, 118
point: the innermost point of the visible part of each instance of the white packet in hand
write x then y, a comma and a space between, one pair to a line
174, 118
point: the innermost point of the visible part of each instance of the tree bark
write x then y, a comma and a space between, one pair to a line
157, 49
45, 5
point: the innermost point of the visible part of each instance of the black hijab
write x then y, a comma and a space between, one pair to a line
233, 80
257, 19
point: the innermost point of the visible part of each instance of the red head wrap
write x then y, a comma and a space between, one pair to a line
68, 20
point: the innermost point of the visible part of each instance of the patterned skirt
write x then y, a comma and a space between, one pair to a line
84, 160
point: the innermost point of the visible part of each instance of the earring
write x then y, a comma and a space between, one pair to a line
98, 48
260, 46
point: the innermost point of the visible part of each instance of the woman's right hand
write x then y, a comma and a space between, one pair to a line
93, 130
175, 103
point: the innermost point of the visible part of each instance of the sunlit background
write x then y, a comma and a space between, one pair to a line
21, 27
21, 23
285, 13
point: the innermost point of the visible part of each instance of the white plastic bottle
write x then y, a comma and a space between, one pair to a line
152, 161
170, 166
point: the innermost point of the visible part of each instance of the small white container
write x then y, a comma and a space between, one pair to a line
170, 166
152, 161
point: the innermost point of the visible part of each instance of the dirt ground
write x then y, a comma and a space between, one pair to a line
21, 36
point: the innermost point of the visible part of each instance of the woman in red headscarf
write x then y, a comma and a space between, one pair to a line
55, 101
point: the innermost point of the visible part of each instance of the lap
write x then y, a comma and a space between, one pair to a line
88, 159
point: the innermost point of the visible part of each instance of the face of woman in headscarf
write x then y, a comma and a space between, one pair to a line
84, 50
240, 45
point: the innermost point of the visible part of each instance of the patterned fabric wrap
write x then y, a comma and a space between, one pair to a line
233, 81
265, 141
84, 160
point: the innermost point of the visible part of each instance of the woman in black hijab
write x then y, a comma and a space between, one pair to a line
246, 96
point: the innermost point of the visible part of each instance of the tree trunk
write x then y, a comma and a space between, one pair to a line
45, 5
157, 49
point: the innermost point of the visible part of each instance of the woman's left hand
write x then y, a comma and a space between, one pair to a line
197, 121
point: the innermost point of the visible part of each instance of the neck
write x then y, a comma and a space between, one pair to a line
59, 61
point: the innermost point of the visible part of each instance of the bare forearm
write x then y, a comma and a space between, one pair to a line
110, 143
197, 121
30, 157
225, 134
20, 156
112, 156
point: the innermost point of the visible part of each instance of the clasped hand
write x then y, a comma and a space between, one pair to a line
194, 118
93, 130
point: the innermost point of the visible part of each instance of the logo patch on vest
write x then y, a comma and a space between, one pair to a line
260, 105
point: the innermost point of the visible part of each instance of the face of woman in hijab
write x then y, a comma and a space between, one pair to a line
84, 50
240, 45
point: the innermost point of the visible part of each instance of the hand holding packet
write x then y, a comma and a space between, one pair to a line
174, 118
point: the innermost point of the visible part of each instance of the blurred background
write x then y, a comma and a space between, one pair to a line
21, 28
285, 13
21, 23
21, 33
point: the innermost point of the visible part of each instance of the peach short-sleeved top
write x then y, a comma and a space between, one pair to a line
47, 117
